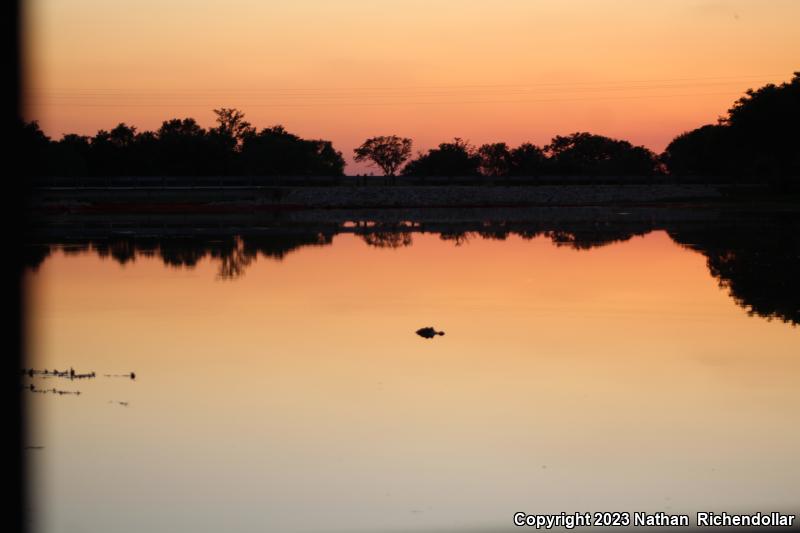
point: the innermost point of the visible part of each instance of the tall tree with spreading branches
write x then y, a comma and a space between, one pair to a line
387, 152
232, 126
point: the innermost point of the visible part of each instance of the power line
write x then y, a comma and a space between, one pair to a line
411, 103
722, 79
183, 97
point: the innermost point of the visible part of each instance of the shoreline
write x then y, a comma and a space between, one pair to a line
56, 226
278, 198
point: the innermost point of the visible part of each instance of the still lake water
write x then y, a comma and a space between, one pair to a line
295, 396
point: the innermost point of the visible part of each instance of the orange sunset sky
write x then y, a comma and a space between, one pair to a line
344, 70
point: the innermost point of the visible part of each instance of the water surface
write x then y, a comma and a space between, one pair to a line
290, 393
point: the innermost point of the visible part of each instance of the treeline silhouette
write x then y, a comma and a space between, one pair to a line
180, 147
755, 259
578, 154
759, 136
758, 139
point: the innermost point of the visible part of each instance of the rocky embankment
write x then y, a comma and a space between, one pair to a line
473, 196
165, 199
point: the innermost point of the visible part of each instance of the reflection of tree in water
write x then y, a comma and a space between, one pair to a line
494, 234
757, 261
235, 261
457, 237
579, 236
239, 253
76, 248
591, 238
388, 239
528, 234
757, 265
183, 252
279, 245
123, 251
234, 254
35, 255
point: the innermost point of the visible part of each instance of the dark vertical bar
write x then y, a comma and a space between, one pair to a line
14, 229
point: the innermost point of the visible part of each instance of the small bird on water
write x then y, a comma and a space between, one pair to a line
428, 332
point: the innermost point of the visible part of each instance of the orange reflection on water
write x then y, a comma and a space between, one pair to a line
620, 377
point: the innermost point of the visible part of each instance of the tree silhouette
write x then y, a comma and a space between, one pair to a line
765, 130
33, 146
758, 139
700, 152
388, 152
232, 126
528, 160
181, 148
70, 156
495, 159
274, 151
457, 158
587, 154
